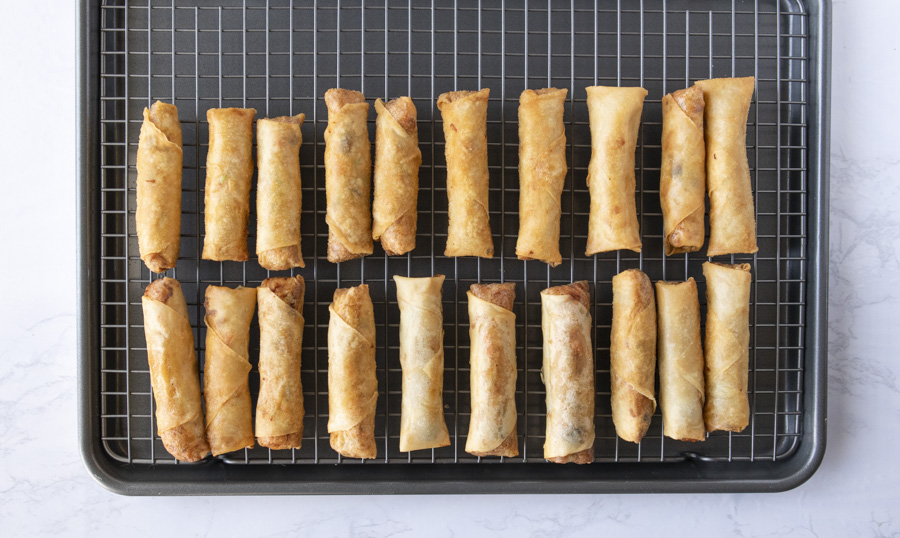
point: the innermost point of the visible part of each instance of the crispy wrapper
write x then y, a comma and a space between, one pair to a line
568, 373
173, 371
542, 173
464, 115
158, 213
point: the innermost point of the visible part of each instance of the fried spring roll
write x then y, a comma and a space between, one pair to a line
615, 117
352, 385
492, 363
542, 172
278, 194
682, 180
226, 390
173, 371
732, 223
465, 134
279, 412
422, 422
397, 160
727, 346
229, 167
348, 176
568, 373
681, 388
632, 354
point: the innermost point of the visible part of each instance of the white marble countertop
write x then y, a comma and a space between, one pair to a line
44, 487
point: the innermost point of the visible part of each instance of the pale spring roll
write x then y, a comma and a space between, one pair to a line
615, 117
542, 172
568, 373
278, 194
422, 422
158, 213
348, 176
229, 167
682, 180
352, 385
681, 386
727, 346
632, 354
493, 370
226, 390
173, 371
464, 115
397, 160
732, 223
279, 412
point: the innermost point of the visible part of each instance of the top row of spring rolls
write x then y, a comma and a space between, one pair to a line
703, 149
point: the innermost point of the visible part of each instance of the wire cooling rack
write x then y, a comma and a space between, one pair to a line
280, 57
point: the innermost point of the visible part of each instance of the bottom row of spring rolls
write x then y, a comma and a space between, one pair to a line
698, 394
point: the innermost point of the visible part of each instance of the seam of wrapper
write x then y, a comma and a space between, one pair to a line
245, 364
335, 229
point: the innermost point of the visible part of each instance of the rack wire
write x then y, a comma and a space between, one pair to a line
280, 58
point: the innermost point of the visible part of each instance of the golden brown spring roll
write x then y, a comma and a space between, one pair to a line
158, 213
422, 422
681, 389
229, 167
632, 354
226, 390
352, 385
465, 147
732, 223
542, 172
348, 176
493, 370
278, 194
173, 371
397, 160
568, 373
682, 180
279, 411
727, 346
615, 117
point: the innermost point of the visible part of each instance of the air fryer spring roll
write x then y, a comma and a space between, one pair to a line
397, 160
352, 385
158, 213
632, 354
422, 423
464, 115
493, 371
173, 371
542, 173
568, 373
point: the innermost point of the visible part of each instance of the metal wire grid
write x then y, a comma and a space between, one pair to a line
280, 58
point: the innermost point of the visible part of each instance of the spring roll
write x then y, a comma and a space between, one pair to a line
173, 371
615, 117
568, 373
682, 180
492, 364
732, 223
681, 388
158, 213
464, 115
226, 390
348, 176
279, 411
278, 194
397, 160
632, 354
352, 385
422, 422
727, 346
229, 167
542, 172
